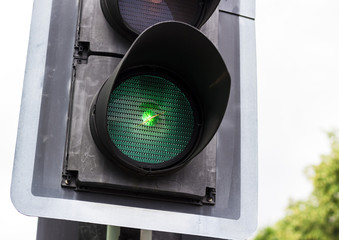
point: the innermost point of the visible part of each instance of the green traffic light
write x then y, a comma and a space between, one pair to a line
149, 119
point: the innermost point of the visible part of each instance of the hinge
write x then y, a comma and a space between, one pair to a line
210, 196
69, 179
81, 52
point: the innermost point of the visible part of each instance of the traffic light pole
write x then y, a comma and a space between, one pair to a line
145, 235
54, 229
118, 233
113, 233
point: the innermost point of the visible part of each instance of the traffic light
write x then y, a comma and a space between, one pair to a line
141, 114
131, 18
164, 101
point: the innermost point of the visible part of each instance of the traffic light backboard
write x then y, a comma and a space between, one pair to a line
150, 127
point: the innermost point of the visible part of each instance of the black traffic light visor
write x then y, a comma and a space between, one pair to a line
131, 17
183, 50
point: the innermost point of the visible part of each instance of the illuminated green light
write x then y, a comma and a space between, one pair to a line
150, 118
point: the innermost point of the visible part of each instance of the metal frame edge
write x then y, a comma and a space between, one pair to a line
30, 105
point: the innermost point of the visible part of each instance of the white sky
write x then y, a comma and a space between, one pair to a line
298, 84
298, 95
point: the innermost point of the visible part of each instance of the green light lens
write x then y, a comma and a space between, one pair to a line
149, 119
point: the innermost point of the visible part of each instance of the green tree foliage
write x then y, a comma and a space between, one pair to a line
318, 217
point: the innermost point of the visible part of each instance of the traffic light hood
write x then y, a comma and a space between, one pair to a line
183, 53
131, 17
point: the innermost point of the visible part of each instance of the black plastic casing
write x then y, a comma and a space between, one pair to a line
177, 47
111, 11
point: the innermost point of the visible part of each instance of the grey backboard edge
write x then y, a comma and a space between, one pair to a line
245, 8
30, 106
28, 204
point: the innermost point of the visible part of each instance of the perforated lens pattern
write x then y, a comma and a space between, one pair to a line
141, 14
149, 119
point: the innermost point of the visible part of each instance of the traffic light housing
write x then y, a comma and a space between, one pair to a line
164, 101
212, 194
130, 18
